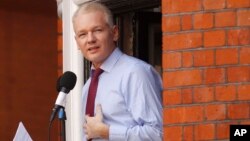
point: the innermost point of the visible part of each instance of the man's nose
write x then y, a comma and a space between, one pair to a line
91, 37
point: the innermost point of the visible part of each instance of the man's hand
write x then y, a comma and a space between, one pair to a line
94, 126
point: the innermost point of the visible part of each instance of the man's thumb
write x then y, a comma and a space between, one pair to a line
99, 111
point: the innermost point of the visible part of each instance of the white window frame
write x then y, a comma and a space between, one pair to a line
72, 61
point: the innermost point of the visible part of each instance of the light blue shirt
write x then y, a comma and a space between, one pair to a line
129, 91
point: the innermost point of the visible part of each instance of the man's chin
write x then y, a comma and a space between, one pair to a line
95, 61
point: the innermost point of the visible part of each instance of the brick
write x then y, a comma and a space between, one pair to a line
171, 60
225, 19
182, 78
187, 59
177, 6
214, 75
182, 41
238, 36
222, 130
244, 92
225, 93
214, 38
203, 58
59, 26
238, 3
204, 132
238, 74
171, 24
171, 97
172, 133
214, 4
187, 95
203, 21
243, 18
59, 72
182, 114
238, 111
59, 43
245, 55
186, 22
215, 112
59, 60
226, 56
203, 94
188, 133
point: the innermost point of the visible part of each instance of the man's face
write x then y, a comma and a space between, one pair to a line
94, 37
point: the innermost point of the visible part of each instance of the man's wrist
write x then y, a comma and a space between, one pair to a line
104, 131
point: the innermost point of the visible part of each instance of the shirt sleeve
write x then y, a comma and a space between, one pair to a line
142, 93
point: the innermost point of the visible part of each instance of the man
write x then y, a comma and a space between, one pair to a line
128, 97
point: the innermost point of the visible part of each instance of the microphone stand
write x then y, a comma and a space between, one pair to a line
62, 118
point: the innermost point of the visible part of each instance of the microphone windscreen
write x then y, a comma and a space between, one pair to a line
68, 80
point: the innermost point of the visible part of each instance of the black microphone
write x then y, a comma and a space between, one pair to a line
65, 83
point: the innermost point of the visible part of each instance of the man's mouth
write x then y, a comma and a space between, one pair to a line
93, 48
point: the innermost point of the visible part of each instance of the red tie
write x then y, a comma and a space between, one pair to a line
92, 92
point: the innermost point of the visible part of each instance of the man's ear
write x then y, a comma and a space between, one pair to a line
115, 33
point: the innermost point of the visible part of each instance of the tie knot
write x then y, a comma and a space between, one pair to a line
97, 72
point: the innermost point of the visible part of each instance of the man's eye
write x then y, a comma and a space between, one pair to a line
98, 30
82, 35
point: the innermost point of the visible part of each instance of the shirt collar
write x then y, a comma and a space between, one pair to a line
109, 63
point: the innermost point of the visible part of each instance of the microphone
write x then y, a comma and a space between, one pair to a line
65, 83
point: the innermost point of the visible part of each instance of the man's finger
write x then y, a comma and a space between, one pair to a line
87, 137
84, 126
86, 118
85, 131
99, 111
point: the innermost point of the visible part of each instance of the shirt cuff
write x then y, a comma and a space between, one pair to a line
117, 133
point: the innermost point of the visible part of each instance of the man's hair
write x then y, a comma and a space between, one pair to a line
93, 7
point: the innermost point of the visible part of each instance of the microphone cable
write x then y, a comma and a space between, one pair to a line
50, 125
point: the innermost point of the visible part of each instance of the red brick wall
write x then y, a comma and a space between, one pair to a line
206, 68
28, 71
59, 47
